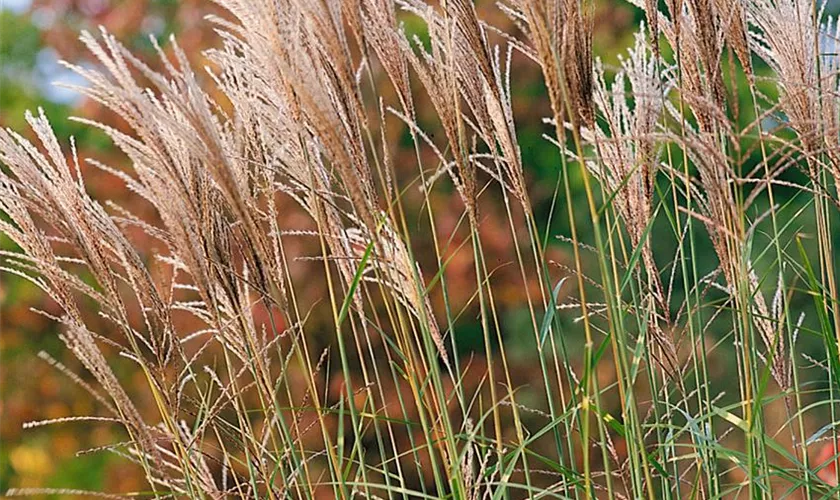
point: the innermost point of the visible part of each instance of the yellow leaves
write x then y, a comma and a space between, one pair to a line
30, 462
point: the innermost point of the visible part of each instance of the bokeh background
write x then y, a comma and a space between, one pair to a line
36, 34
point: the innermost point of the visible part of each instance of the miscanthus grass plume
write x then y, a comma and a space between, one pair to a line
300, 323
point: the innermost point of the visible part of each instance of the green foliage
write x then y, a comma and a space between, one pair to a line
364, 266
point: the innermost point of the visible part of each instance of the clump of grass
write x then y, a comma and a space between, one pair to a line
294, 117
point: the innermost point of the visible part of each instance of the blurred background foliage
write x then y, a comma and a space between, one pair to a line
36, 34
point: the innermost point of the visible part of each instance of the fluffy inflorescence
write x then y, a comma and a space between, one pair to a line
290, 115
